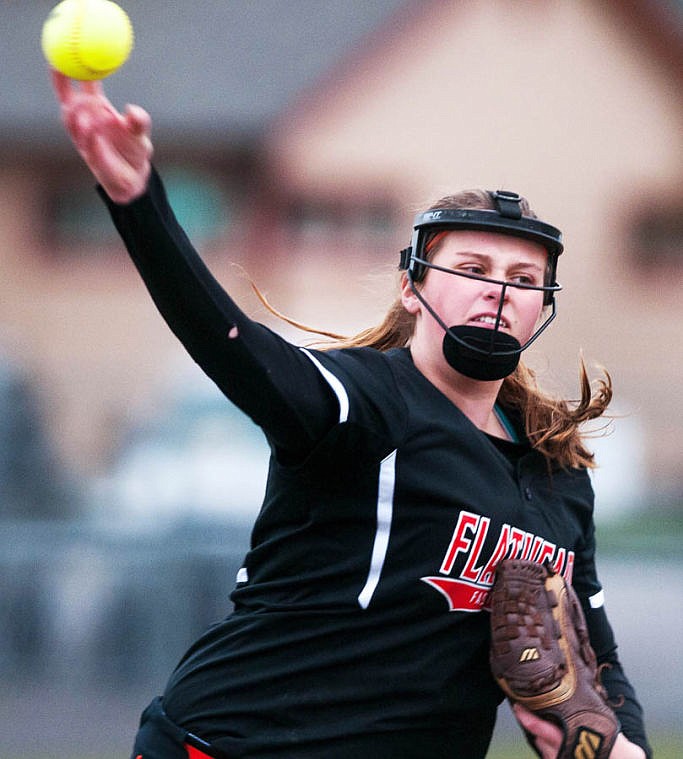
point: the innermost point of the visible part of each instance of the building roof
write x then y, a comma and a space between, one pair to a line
218, 70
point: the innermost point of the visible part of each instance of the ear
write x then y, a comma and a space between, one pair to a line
410, 301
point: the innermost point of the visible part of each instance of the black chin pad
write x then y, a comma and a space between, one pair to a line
481, 353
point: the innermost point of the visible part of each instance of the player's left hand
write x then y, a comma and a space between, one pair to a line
547, 737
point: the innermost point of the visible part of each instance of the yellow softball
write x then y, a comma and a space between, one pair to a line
87, 39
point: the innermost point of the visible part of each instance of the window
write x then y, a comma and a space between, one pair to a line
80, 219
657, 239
203, 207
342, 222
80, 224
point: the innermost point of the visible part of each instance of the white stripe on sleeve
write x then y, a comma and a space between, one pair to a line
337, 387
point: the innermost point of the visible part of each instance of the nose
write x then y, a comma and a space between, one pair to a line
496, 292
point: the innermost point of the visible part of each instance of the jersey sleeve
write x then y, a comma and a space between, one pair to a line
621, 694
271, 380
620, 691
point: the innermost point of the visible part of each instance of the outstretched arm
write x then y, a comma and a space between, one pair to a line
116, 146
273, 382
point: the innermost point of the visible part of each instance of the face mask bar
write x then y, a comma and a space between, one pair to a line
495, 329
502, 283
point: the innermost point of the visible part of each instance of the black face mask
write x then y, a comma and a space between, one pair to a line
480, 353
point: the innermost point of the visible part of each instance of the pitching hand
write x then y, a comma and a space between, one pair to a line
116, 146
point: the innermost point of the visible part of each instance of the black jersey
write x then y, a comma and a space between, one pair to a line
360, 611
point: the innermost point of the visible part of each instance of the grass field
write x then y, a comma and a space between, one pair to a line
663, 746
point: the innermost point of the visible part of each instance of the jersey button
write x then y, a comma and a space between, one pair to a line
528, 494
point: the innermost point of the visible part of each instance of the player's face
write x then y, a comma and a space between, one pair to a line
459, 300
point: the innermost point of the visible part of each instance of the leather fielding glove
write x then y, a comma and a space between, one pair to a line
542, 658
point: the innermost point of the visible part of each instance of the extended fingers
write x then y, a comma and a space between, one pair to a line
85, 120
62, 86
116, 146
130, 136
138, 147
139, 121
86, 109
93, 87
122, 179
67, 90
83, 108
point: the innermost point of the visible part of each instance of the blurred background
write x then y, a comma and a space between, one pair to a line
297, 139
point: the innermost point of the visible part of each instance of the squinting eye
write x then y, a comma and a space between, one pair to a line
524, 279
473, 269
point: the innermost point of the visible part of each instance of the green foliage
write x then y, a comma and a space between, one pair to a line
661, 528
664, 747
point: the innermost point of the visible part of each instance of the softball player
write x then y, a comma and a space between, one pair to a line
406, 463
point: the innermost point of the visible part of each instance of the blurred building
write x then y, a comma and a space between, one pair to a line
298, 139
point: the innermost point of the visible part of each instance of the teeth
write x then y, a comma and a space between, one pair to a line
487, 320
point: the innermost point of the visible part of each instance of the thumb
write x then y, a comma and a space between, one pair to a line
138, 120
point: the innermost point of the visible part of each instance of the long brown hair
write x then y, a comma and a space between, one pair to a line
553, 426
